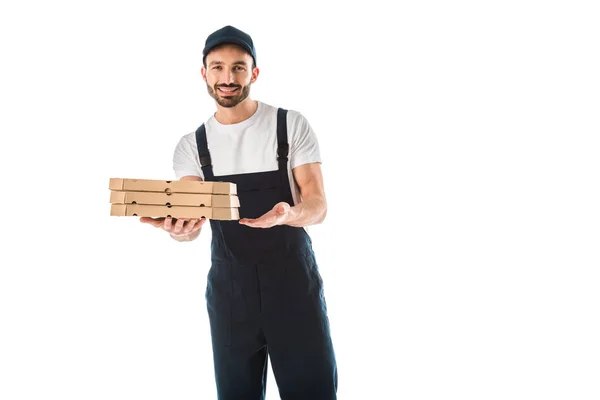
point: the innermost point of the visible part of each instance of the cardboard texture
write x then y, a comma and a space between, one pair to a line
174, 199
141, 210
177, 199
152, 185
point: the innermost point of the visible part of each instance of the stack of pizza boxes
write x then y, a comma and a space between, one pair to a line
177, 199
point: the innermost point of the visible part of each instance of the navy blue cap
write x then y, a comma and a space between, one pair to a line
229, 35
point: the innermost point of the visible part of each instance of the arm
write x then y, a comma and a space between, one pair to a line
310, 211
305, 161
313, 207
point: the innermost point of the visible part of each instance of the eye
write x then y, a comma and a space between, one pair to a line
238, 68
217, 67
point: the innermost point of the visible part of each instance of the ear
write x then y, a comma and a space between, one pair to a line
203, 72
255, 73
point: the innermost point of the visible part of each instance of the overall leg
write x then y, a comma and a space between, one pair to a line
297, 331
239, 348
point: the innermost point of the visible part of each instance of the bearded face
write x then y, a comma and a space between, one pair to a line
228, 95
229, 73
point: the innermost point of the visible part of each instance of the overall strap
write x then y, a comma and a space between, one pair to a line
283, 149
204, 154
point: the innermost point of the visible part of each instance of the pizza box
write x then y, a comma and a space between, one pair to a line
169, 187
174, 199
155, 211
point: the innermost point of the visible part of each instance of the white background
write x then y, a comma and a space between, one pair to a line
461, 250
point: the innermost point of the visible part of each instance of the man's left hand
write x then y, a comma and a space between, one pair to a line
277, 216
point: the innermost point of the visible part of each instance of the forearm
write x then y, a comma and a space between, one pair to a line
309, 212
186, 238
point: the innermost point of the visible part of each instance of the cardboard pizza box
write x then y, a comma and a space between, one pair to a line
174, 199
143, 210
169, 187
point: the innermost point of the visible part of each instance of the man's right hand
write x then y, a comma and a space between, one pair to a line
180, 229
177, 228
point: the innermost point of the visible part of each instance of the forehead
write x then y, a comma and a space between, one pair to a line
228, 53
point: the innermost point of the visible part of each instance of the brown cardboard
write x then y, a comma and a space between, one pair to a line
153, 185
142, 210
174, 199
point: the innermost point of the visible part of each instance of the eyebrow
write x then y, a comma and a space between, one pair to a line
221, 62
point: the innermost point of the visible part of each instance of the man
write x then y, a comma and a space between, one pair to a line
264, 291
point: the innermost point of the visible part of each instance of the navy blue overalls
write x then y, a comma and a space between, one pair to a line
265, 294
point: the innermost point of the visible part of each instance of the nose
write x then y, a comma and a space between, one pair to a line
228, 77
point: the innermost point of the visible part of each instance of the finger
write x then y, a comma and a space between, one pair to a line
266, 221
256, 223
198, 226
282, 208
146, 220
168, 224
149, 220
190, 225
253, 223
179, 225
158, 223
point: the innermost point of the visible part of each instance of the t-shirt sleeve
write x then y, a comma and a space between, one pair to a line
304, 146
185, 159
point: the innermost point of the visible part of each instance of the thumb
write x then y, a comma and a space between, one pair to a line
282, 208
148, 220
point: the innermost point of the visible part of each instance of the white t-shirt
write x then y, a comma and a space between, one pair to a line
249, 146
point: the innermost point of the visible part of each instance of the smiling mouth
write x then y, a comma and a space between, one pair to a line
226, 90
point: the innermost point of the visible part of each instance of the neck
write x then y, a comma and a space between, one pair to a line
237, 114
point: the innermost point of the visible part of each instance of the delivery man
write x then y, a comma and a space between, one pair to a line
264, 292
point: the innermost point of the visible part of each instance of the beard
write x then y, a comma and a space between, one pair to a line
229, 100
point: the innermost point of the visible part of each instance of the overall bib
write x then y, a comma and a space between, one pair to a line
264, 293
